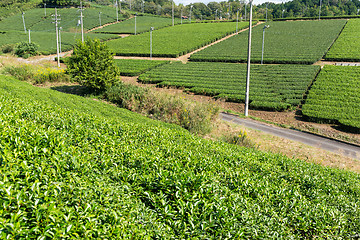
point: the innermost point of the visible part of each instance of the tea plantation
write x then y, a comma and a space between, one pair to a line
173, 41
347, 46
335, 96
134, 67
273, 87
67, 171
143, 24
302, 42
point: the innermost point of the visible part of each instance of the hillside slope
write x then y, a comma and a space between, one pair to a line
67, 171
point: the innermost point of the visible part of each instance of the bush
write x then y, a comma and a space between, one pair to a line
92, 65
8, 48
25, 49
195, 117
22, 72
240, 139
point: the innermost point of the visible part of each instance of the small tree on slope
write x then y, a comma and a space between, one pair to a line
92, 65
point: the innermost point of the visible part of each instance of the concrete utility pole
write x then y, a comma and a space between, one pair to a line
263, 40
135, 23
117, 12
237, 20
320, 10
29, 37
45, 8
23, 18
143, 6
181, 15
57, 36
172, 12
130, 4
266, 11
100, 19
60, 28
191, 6
248, 65
216, 13
81, 22
151, 29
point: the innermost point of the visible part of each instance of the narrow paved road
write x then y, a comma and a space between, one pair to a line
349, 150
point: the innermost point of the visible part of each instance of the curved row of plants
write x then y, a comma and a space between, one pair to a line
273, 87
335, 97
70, 173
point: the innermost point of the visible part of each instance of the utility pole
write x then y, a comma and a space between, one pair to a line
117, 12
57, 36
237, 20
320, 10
229, 10
135, 23
100, 18
23, 18
266, 11
263, 40
191, 6
130, 4
216, 13
151, 29
181, 15
45, 8
81, 22
60, 28
248, 65
143, 6
172, 11
29, 37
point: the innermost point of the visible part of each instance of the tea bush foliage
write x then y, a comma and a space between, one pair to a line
66, 172
92, 65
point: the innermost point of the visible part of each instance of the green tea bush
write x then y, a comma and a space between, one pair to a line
68, 172
92, 65
25, 49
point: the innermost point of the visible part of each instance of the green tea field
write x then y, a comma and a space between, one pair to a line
335, 96
347, 46
135, 67
302, 42
173, 41
143, 24
273, 87
76, 168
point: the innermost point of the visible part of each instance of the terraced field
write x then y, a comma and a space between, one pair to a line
174, 41
77, 168
273, 87
47, 40
143, 24
335, 96
36, 20
134, 67
347, 46
302, 42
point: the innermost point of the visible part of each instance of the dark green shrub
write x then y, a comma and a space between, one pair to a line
25, 49
8, 48
92, 65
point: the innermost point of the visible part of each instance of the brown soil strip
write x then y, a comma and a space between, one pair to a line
107, 24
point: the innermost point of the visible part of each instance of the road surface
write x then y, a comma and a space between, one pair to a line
347, 149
